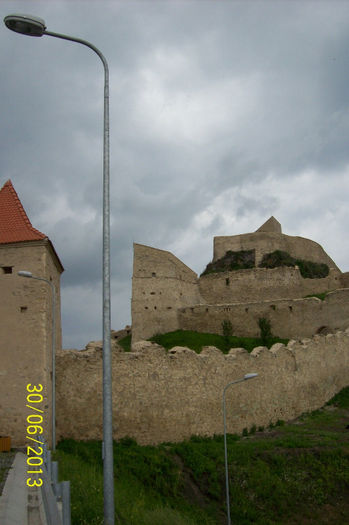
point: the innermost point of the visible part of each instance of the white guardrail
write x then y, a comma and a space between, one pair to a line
55, 495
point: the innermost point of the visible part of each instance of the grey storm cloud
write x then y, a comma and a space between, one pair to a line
222, 114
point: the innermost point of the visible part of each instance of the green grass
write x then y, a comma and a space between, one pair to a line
147, 485
320, 296
340, 400
125, 343
293, 473
196, 341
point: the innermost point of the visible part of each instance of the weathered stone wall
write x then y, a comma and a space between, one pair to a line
344, 280
159, 396
25, 333
161, 284
267, 242
262, 284
290, 318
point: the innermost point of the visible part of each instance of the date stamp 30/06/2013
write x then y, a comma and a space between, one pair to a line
34, 427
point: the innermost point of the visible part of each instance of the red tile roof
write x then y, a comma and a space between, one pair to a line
15, 225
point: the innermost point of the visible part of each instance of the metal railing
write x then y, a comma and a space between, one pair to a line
55, 495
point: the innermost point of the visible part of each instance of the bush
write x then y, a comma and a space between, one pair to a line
265, 328
276, 259
241, 260
227, 329
308, 269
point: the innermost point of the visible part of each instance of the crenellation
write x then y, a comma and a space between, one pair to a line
168, 396
256, 352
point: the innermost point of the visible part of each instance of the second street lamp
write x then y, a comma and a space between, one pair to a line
35, 26
245, 378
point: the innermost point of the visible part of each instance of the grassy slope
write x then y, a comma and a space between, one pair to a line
296, 473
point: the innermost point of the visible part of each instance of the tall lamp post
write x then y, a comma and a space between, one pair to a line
24, 273
34, 26
245, 378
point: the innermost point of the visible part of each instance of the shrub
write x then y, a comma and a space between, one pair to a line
276, 259
265, 328
227, 329
308, 269
240, 260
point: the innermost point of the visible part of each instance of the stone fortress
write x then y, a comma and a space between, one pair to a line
167, 295
161, 396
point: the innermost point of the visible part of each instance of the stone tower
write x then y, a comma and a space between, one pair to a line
25, 316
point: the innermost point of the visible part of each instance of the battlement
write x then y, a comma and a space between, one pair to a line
161, 396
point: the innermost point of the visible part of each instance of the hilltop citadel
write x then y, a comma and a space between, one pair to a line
167, 295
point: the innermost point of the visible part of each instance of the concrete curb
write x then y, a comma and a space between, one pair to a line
14, 498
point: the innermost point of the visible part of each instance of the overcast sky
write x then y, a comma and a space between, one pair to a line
222, 113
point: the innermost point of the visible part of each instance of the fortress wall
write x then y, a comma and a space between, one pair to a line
288, 317
260, 284
344, 280
159, 396
267, 242
161, 284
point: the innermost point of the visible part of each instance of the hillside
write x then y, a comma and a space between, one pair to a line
294, 473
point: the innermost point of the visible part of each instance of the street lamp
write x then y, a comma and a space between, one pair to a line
24, 273
34, 26
245, 378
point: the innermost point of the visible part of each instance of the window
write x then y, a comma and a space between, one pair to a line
6, 269
23, 309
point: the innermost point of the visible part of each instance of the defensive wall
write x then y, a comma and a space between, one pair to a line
160, 396
289, 318
262, 284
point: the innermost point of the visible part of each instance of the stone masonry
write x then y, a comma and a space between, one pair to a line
25, 316
167, 295
161, 396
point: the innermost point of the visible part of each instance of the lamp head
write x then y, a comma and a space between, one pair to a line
24, 273
250, 376
25, 24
